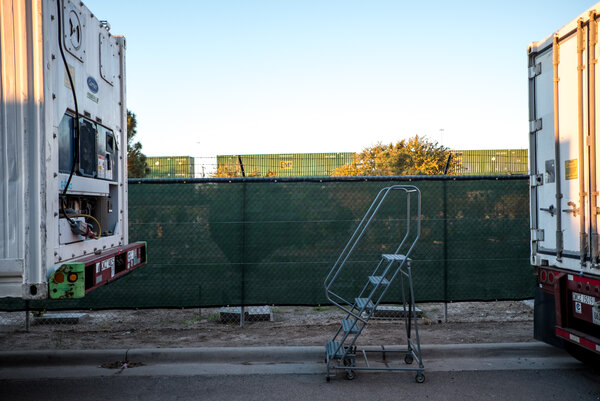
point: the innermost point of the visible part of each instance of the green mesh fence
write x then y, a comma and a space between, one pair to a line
265, 241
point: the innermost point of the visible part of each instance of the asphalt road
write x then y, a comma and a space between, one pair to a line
568, 385
495, 372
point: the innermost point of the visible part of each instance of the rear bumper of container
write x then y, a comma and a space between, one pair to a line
80, 276
567, 309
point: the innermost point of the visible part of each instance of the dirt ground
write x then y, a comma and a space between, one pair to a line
468, 322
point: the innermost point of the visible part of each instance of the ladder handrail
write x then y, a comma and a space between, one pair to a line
347, 251
352, 238
371, 212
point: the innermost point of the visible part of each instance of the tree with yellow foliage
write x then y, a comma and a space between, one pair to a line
413, 156
228, 171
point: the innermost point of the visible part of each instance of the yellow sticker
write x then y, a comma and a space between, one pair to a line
286, 165
571, 169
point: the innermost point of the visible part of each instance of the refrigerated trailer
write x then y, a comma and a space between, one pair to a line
564, 185
63, 152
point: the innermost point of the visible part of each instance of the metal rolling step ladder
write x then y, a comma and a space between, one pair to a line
341, 351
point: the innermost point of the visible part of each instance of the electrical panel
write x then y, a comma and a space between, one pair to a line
87, 210
97, 148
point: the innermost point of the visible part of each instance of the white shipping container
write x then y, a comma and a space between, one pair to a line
564, 143
39, 141
564, 186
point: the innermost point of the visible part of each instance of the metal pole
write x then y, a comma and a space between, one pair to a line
199, 302
243, 278
27, 316
557, 165
445, 208
581, 143
593, 40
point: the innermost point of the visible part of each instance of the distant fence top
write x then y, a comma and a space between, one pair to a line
408, 178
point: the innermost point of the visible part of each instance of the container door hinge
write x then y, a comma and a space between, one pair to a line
535, 126
537, 234
536, 180
535, 70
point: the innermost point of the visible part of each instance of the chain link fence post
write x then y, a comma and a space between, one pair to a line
445, 225
243, 265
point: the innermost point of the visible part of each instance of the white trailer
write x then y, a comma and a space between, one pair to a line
565, 184
63, 152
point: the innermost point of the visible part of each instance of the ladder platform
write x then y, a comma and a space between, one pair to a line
394, 257
350, 326
330, 348
378, 280
363, 304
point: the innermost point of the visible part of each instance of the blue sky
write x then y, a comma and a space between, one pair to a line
280, 76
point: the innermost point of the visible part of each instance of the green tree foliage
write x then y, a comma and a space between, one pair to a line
414, 156
136, 160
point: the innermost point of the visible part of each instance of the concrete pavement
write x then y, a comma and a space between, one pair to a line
265, 360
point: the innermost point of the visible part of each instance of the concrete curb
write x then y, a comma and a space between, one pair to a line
224, 355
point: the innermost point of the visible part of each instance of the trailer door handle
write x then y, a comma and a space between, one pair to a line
574, 209
550, 210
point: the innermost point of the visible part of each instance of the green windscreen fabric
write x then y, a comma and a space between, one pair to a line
232, 242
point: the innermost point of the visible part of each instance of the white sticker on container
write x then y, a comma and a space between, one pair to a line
584, 299
596, 313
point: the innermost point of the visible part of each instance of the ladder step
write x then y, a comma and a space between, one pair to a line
394, 257
349, 326
330, 348
363, 304
378, 280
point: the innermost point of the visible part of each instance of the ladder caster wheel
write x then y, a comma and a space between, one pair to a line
327, 379
350, 375
408, 359
348, 362
420, 378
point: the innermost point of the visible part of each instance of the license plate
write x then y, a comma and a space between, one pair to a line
584, 299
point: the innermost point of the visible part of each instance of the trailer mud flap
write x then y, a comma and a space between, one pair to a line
544, 319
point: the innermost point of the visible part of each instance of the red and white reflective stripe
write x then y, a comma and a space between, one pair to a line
562, 333
578, 340
589, 344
